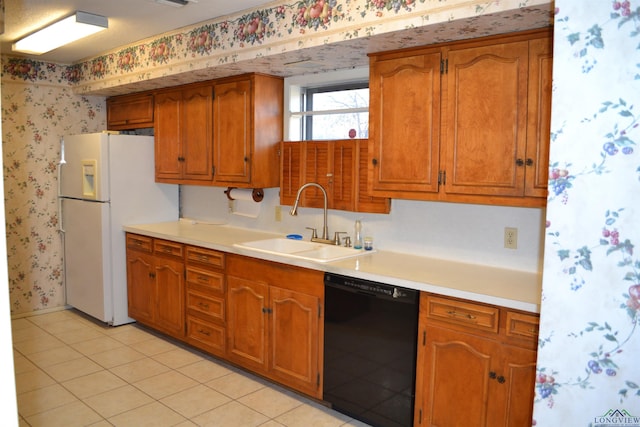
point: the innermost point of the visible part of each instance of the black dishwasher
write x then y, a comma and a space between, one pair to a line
370, 340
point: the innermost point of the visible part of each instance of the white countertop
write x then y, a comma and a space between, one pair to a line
515, 289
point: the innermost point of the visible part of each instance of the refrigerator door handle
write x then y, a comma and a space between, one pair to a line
62, 160
60, 225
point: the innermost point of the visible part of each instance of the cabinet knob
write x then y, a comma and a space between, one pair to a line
529, 162
495, 376
375, 162
520, 162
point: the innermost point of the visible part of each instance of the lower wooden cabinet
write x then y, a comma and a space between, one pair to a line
275, 321
475, 362
476, 365
205, 300
263, 316
155, 277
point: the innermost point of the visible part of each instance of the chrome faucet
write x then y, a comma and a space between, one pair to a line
325, 230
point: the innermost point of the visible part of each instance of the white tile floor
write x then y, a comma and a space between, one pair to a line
72, 371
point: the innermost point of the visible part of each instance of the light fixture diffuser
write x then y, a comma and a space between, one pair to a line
174, 3
60, 33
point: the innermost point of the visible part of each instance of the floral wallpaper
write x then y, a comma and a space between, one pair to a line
588, 372
328, 34
36, 112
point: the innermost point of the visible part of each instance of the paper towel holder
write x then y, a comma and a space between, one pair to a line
257, 194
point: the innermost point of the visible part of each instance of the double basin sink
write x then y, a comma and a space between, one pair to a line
300, 249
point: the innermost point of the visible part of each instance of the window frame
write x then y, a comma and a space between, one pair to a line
297, 120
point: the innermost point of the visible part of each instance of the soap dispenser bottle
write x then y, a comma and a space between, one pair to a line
357, 239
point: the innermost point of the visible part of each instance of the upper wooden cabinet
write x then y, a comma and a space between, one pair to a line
183, 135
339, 166
130, 111
404, 123
465, 122
539, 117
484, 131
247, 126
222, 132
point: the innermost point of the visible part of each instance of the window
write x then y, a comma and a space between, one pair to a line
327, 110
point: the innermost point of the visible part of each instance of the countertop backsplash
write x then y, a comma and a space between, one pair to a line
460, 232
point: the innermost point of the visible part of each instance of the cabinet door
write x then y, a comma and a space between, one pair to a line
343, 181
485, 119
456, 378
364, 201
169, 278
197, 137
232, 129
140, 286
539, 119
294, 338
130, 112
290, 171
246, 322
318, 169
404, 125
168, 149
512, 390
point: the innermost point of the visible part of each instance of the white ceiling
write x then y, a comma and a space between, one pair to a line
129, 21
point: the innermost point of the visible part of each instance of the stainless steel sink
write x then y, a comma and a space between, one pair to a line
301, 249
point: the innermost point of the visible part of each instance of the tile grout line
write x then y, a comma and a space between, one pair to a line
174, 368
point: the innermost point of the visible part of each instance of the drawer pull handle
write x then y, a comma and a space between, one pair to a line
203, 332
204, 305
203, 258
203, 279
454, 313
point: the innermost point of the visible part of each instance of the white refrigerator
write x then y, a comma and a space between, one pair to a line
106, 181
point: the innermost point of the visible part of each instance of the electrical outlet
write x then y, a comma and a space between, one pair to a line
511, 238
278, 214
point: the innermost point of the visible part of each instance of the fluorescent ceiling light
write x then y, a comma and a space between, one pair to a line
174, 3
65, 31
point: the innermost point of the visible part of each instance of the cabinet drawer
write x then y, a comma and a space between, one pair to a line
139, 243
210, 306
211, 280
205, 256
521, 325
206, 336
165, 247
476, 316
